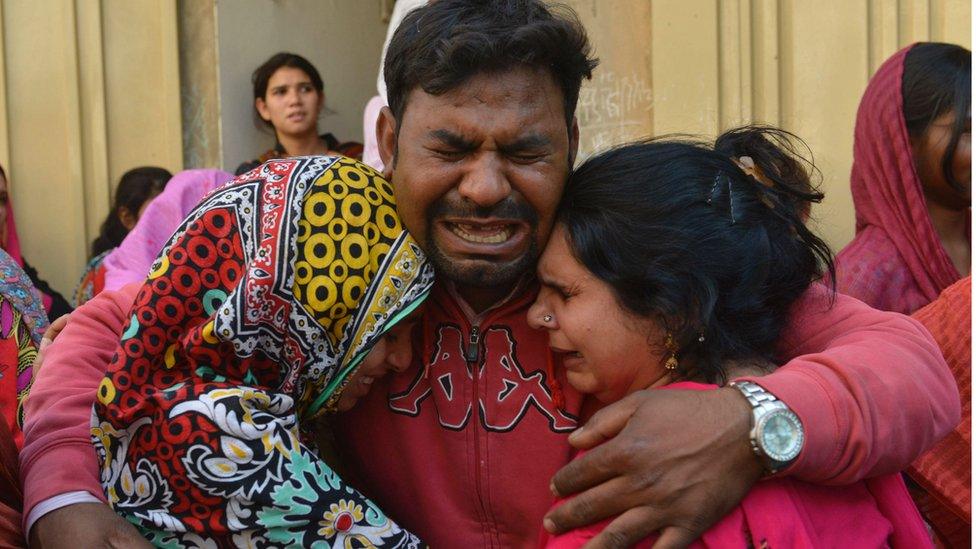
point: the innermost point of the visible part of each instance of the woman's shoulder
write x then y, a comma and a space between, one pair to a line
269, 154
352, 149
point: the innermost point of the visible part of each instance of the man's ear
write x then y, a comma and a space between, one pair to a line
386, 140
262, 109
573, 143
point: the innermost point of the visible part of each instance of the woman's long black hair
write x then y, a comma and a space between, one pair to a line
685, 236
937, 80
135, 187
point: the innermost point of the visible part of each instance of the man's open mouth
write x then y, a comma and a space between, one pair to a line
483, 234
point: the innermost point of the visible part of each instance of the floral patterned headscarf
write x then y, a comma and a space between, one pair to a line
254, 316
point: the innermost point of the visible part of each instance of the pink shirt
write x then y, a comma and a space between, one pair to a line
784, 512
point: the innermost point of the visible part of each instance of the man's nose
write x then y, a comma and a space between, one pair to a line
485, 183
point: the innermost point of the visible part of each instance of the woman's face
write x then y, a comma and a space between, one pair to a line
291, 103
607, 351
392, 353
930, 148
128, 219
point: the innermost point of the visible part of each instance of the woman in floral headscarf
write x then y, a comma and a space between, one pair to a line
22, 323
259, 314
911, 180
54, 303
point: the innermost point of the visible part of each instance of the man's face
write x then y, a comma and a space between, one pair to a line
478, 172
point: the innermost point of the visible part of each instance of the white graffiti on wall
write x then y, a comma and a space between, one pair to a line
613, 108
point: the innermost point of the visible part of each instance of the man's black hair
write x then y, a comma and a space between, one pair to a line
441, 45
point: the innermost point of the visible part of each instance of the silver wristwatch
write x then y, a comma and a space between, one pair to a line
777, 434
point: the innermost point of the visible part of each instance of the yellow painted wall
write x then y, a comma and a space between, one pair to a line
701, 66
88, 90
91, 88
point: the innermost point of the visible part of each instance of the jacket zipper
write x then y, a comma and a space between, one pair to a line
473, 349
472, 354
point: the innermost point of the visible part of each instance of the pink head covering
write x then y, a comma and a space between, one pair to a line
130, 262
895, 238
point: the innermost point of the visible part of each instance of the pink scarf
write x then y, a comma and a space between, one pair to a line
130, 262
896, 261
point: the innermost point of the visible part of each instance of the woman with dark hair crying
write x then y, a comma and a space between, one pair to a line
136, 189
692, 256
911, 180
288, 98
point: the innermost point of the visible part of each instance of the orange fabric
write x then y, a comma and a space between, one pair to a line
945, 471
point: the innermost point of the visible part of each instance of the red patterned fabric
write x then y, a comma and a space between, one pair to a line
945, 471
252, 320
896, 261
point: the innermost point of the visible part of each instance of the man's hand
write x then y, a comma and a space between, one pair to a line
670, 461
92, 525
49, 335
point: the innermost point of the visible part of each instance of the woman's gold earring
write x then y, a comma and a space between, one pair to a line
672, 362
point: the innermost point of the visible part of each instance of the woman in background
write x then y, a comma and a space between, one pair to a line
136, 189
130, 261
22, 324
288, 99
54, 303
911, 180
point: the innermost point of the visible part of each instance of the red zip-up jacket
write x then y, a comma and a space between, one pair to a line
463, 446
462, 454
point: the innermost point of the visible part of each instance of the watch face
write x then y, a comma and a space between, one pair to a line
781, 436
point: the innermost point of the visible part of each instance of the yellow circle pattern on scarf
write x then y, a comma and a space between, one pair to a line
342, 239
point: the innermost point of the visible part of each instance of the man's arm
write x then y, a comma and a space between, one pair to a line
871, 389
58, 456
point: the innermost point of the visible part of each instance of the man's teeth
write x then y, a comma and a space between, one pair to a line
494, 235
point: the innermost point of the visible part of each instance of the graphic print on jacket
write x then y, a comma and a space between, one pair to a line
461, 446
509, 395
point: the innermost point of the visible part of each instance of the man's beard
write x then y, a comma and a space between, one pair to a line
487, 272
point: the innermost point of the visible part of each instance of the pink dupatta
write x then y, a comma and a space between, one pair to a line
130, 262
896, 261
